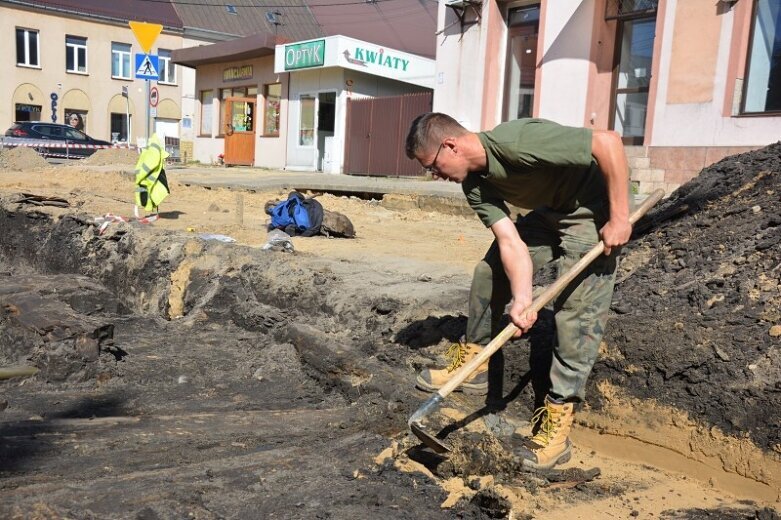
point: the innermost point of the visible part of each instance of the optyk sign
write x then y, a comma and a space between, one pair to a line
304, 55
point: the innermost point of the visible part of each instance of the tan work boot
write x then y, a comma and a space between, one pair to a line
459, 354
551, 445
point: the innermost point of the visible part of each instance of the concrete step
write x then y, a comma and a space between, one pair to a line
647, 175
639, 162
636, 151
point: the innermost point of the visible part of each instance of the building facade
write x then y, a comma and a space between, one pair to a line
284, 106
323, 75
74, 63
685, 82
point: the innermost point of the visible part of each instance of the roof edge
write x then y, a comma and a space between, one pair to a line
80, 14
254, 46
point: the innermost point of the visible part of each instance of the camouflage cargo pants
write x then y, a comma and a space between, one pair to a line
580, 310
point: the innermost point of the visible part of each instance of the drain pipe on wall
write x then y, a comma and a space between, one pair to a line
287, 116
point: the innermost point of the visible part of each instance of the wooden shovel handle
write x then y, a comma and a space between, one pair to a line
541, 301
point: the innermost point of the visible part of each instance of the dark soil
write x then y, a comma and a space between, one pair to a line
288, 374
696, 318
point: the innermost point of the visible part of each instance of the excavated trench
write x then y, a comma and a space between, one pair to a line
188, 378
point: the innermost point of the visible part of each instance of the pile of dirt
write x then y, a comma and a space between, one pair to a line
21, 159
698, 322
112, 156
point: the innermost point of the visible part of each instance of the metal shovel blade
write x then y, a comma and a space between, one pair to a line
428, 439
420, 432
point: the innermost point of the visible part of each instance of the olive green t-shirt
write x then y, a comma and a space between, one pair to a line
534, 163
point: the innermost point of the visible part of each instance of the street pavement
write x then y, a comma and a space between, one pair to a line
268, 180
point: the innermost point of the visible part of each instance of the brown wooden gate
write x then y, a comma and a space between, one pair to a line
376, 130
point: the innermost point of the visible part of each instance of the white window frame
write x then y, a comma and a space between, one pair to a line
207, 112
121, 53
72, 47
301, 95
164, 63
27, 33
756, 85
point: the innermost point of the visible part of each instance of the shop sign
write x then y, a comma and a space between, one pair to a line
381, 58
304, 55
237, 73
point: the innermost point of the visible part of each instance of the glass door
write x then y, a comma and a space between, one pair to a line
521, 68
632, 78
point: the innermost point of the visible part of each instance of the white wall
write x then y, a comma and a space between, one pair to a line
703, 124
565, 60
186, 78
458, 83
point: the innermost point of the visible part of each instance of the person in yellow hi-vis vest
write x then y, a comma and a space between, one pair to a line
151, 182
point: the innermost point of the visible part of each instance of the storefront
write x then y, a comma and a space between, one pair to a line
284, 106
325, 73
239, 102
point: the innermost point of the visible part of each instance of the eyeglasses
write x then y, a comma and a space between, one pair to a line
432, 168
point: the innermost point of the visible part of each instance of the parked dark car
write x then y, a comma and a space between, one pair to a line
52, 139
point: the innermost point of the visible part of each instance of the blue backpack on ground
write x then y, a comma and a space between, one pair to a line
297, 216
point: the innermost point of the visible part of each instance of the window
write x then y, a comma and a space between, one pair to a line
763, 78
75, 54
118, 127
521, 66
120, 60
74, 135
273, 97
50, 131
76, 118
167, 70
206, 112
225, 93
27, 53
306, 124
24, 112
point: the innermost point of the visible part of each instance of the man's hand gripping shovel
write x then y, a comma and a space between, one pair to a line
432, 404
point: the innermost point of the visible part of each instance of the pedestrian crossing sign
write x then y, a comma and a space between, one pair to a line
147, 66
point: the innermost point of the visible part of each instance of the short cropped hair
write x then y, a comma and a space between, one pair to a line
429, 130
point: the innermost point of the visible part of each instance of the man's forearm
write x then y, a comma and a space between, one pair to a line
515, 258
518, 266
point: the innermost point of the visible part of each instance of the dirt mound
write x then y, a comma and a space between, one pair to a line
111, 156
697, 323
21, 159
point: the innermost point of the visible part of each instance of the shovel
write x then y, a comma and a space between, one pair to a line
415, 421
22, 371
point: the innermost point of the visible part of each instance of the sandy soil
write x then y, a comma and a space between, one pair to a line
637, 479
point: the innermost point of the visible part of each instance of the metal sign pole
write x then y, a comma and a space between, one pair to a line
148, 115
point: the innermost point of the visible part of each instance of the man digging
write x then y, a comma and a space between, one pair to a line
575, 182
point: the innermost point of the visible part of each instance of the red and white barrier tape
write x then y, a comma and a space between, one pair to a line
44, 147
108, 218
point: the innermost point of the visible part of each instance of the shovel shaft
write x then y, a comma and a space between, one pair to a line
23, 371
541, 301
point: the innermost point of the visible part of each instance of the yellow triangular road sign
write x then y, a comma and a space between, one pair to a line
146, 34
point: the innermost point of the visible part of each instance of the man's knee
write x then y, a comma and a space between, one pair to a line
483, 271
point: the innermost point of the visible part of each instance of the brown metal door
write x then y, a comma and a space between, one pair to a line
411, 107
359, 116
376, 130
384, 140
239, 131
